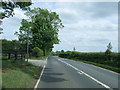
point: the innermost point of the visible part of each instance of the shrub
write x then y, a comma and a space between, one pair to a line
37, 52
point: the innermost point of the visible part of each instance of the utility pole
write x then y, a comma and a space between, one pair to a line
27, 44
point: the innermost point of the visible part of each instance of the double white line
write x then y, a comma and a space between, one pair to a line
81, 72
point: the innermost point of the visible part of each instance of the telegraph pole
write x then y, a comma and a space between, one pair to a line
27, 44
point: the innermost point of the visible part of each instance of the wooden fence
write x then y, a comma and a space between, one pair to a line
16, 55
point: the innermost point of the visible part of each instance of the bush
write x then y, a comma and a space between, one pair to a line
37, 52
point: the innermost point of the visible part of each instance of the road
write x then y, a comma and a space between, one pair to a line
64, 73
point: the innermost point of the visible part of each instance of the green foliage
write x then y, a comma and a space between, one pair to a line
9, 5
13, 45
108, 51
37, 52
43, 28
98, 57
62, 51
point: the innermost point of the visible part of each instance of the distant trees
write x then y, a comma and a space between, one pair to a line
12, 45
62, 51
43, 27
108, 51
74, 49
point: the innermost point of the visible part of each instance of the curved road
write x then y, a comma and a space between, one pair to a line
64, 73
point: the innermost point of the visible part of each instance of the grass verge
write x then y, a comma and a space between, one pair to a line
19, 74
115, 69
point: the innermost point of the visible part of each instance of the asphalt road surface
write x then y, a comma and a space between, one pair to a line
64, 73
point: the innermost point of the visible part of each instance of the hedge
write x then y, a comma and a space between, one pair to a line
97, 57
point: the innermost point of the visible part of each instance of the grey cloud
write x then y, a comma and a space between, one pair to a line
100, 41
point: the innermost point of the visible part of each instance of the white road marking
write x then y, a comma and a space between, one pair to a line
93, 66
80, 72
104, 85
40, 76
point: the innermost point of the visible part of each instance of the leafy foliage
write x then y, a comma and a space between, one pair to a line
8, 7
43, 28
108, 51
37, 52
13, 45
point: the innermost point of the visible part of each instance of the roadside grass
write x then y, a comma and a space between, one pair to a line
19, 74
38, 58
115, 69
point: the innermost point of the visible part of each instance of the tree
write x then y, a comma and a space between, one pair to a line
9, 5
24, 30
74, 49
62, 51
37, 52
108, 51
13, 45
44, 28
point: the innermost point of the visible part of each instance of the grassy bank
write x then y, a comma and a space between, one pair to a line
99, 65
19, 74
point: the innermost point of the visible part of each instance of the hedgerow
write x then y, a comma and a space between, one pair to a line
97, 57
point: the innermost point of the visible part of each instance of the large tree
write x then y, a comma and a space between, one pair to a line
44, 28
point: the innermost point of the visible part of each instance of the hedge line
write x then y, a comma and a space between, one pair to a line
97, 57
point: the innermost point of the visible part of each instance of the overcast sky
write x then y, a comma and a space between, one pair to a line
89, 26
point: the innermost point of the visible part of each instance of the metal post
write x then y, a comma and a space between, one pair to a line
27, 45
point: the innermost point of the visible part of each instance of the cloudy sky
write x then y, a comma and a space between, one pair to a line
89, 26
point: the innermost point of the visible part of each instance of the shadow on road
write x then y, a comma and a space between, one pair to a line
53, 73
52, 77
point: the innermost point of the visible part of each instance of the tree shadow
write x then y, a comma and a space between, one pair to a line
53, 73
52, 77
47, 69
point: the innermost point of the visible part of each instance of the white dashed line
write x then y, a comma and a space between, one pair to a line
80, 72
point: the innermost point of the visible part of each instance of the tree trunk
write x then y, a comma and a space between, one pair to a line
44, 52
15, 55
9, 54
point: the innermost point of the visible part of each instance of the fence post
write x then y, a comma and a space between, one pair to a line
21, 56
15, 55
9, 54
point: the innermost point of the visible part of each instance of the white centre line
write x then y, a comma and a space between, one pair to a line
81, 72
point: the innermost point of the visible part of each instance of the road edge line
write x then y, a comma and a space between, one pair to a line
104, 85
40, 76
95, 66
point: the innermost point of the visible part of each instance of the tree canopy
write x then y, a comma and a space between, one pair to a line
43, 27
7, 8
